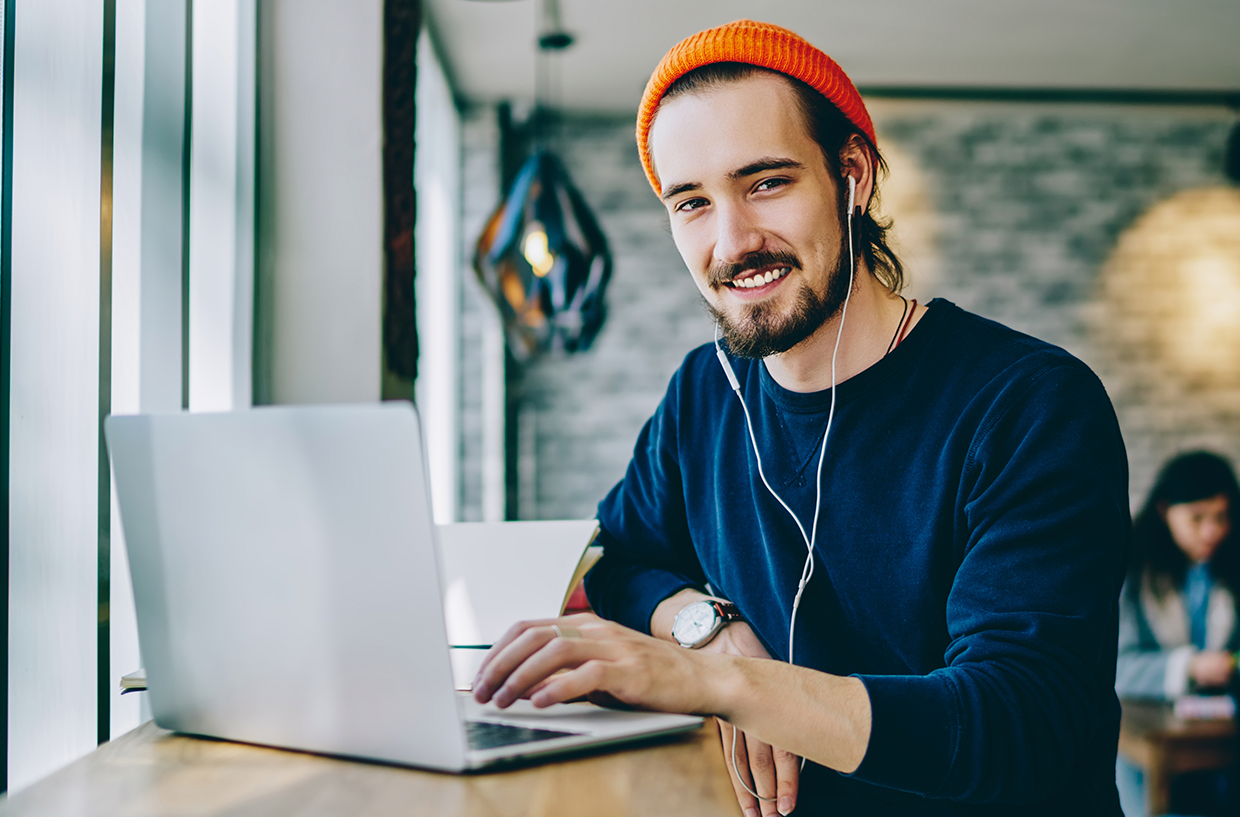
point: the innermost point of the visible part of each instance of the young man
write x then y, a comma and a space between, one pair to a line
920, 514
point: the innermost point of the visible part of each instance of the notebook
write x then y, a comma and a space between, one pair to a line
288, 591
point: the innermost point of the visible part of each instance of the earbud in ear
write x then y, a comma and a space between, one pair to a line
852, 193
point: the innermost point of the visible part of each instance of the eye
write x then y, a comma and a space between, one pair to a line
689, 205
771, 184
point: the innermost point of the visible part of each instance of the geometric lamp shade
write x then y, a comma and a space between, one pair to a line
544, 261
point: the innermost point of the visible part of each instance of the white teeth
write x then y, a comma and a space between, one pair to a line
761, 280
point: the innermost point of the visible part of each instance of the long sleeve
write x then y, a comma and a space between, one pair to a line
655, 557
1031, 613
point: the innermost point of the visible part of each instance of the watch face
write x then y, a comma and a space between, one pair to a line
694, 623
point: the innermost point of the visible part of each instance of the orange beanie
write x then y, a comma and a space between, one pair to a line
761, 44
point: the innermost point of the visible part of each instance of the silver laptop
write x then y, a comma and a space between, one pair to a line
287, 584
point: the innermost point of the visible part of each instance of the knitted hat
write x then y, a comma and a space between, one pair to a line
761, 44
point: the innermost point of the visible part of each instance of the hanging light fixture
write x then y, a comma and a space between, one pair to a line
545, 262
542, 256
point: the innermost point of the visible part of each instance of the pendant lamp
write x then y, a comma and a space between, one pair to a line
544, 260
542, 257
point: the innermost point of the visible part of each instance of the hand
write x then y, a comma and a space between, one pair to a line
550, 661
1210, 670
772, 772
592, 656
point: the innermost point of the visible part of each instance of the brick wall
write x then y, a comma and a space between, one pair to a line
1035, 215
1028, 207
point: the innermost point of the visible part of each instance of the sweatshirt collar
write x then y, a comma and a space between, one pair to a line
889, 366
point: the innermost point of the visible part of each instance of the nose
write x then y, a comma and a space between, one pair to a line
737, 236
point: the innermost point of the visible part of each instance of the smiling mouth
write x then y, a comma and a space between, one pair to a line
754, 278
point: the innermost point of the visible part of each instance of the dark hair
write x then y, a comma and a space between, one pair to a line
830, 130
1189, 477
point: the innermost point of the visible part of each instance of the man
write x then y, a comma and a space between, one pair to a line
950, 646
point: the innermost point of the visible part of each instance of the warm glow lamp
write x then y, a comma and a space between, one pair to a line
545, 262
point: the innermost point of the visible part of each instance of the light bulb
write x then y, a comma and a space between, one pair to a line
536, 250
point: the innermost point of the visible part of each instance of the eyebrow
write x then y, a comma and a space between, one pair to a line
760, 166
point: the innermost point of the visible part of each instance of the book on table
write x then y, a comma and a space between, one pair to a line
499, 573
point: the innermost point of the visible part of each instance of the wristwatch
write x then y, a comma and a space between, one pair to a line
697, 623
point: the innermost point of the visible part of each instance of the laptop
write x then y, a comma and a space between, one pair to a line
287, 582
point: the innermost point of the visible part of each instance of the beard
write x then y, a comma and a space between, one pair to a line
762, 329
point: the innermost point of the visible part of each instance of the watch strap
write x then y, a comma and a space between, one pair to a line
726, 610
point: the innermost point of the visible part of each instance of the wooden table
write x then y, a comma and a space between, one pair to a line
1152, 737
151, 771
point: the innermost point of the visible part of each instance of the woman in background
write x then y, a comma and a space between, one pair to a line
1178, 630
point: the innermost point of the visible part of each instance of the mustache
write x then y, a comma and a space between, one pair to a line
720, 274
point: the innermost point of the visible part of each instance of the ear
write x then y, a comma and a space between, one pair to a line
857, 160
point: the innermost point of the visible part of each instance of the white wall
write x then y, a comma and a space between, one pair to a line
221, 209
437, 176
54, 405
321, 199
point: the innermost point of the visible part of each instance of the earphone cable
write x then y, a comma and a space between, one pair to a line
807, 572
807, 569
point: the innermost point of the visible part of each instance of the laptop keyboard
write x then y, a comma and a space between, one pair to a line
488, 735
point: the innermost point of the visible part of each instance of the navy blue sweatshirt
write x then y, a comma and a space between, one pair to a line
969, 557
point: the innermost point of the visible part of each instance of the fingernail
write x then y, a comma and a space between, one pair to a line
785, 805
751, 812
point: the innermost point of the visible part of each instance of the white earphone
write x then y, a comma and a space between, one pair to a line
807, 570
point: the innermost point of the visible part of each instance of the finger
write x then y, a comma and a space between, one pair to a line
600, 698
573, 685
737, 762
574, 626
788, 777
761, 772
505, 658
526, 640
512, 634
554, 655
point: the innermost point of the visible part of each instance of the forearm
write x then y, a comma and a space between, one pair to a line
810, 713
825, 718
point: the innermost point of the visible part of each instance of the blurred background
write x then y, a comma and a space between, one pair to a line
206, 205
1058, 166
